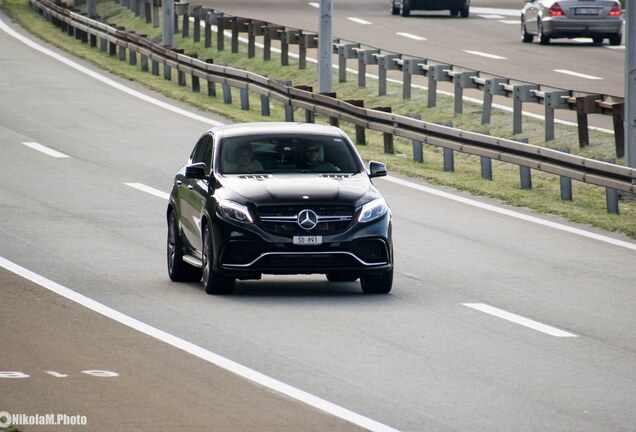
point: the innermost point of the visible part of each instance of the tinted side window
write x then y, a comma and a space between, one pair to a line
203, 152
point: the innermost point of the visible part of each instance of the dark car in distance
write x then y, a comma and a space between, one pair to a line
278, 198
550, 19
456, 7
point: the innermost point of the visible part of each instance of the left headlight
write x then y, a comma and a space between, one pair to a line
233, 211
373, 210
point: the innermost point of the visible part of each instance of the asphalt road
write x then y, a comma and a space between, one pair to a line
432, 355
488, 41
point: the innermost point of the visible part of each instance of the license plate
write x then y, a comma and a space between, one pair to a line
585, 11
307, 240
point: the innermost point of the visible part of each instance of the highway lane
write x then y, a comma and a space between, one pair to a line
418, 359
492, 29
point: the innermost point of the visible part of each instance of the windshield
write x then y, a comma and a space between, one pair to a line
286, 154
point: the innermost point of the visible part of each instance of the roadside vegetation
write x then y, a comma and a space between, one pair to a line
589, 202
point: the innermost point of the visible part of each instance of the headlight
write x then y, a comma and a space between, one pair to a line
233, 211
373, 210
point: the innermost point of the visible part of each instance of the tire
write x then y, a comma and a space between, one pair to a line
454, 12
394, 9
405, 8
178, 270
543, 39
464, 12
525, 36
377, 284
341, 277
597, 40
615, 40
213, 282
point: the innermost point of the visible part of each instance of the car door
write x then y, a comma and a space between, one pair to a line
193, 194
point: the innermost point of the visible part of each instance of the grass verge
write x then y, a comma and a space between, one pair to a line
588, 205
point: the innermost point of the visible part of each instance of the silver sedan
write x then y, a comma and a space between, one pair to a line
550, 19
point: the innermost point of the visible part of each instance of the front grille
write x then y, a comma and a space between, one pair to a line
282, 220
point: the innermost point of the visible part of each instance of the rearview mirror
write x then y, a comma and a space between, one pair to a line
195, 171
377, 169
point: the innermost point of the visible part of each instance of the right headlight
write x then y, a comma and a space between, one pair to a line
233, 211
373, 210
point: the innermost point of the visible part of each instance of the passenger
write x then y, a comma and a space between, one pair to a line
312, 158
243, 161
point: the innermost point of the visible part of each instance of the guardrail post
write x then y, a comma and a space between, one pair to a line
197, 12
618, 117
565, 182
210, 18
306, 41
418, 146
611, 198
360, 130
449, 160
222, 22
585, 105
239, 25
521, 93
551, 101
272, 32
365, 57
132, 56
385, 63
410, 67
461, 81
492, 87
346, 51
486, 168
288, 38
265, 111
436, 73
156, 12
254, 28
525, 175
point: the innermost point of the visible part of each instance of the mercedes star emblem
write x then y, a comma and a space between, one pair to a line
307, 219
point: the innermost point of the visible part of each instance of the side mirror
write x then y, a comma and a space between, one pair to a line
377, 169
195, 171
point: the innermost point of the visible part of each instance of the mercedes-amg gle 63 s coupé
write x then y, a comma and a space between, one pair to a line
278, 198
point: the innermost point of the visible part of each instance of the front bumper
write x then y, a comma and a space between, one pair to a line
248, 250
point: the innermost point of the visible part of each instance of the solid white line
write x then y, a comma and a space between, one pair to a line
513, 214
492, 16
104, 79
411, 36
148, 189
195, 350
45, 150
518, 319
578, 75
511, 22
358, 20
483, 54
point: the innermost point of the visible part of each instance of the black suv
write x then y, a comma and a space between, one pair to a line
278, 198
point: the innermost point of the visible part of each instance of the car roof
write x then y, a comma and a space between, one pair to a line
257, 128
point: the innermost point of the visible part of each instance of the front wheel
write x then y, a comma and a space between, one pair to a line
378, 283
464, 12
525, 36
394, 9
213, 282
405, 8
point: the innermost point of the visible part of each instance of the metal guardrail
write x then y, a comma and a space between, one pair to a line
528, 157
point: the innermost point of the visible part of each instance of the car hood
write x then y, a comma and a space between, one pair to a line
287, 188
